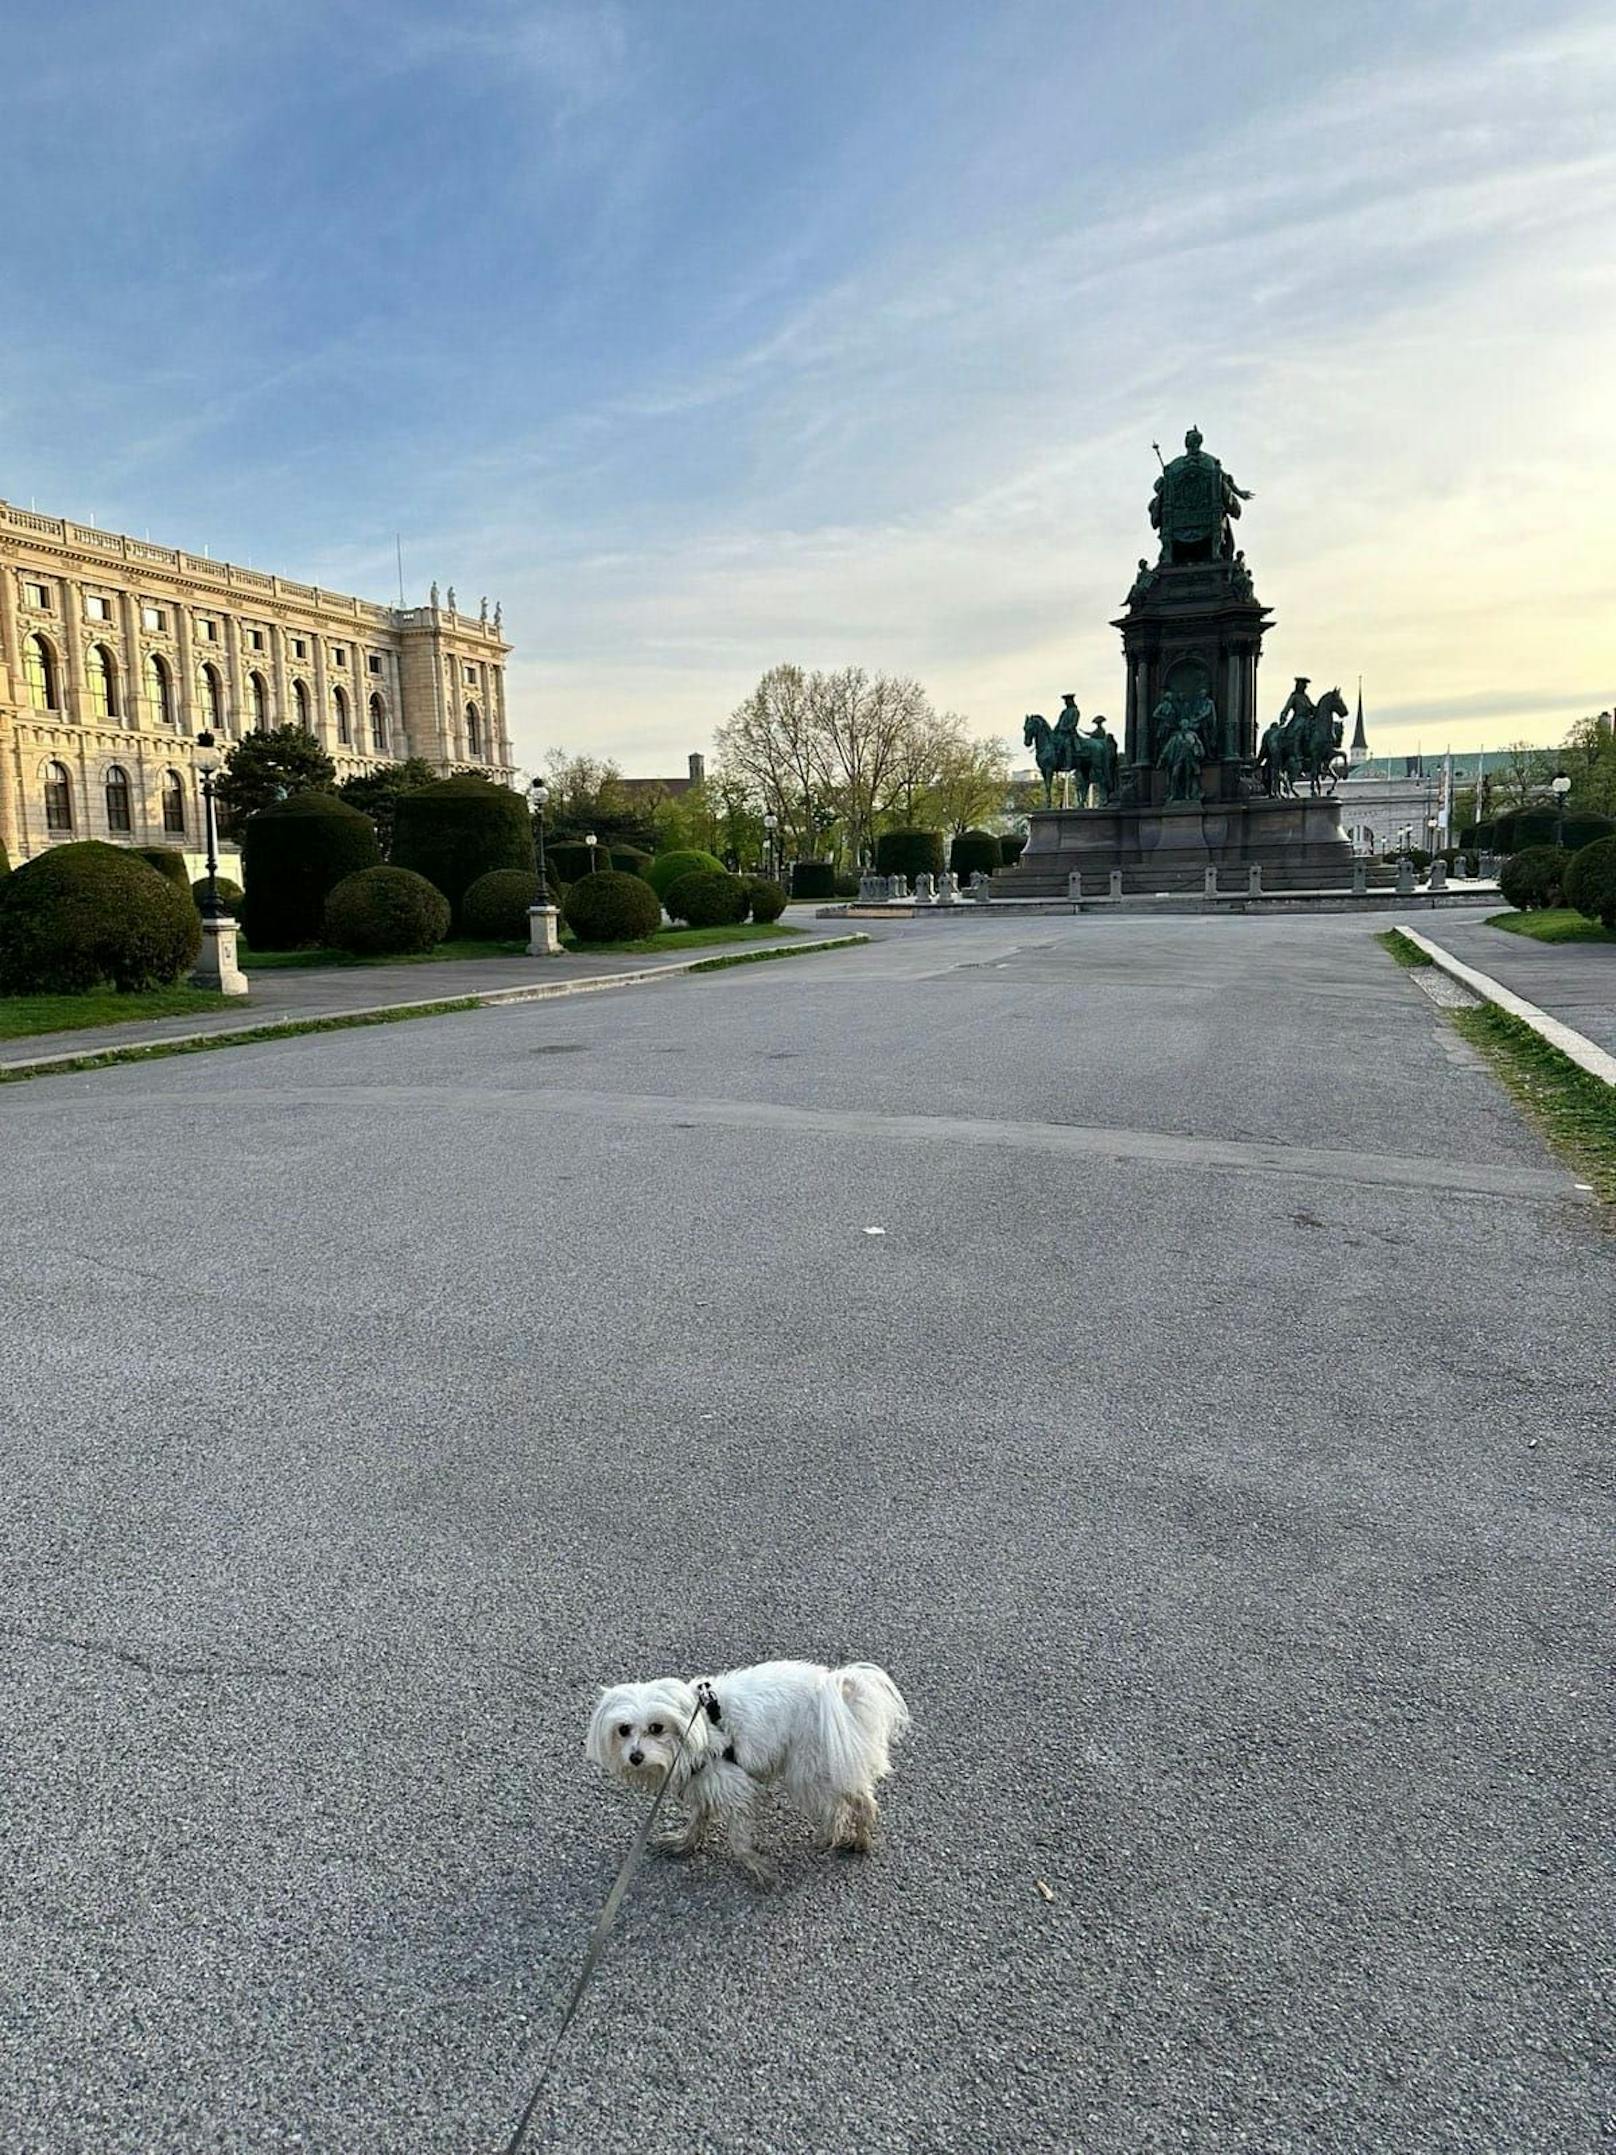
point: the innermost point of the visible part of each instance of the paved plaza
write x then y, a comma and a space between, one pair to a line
1214, 1442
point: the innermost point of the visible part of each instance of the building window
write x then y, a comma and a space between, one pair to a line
212, 700
159, 696
153, 618
58, 798
378, 726
100, 682
300, 704
374, 663
37, 596
174, 804
207, 630
299, 648
255, 638
39, 673
118, 817
339, 654
258, 689
468, 674
339, 704
474, 732
96, 607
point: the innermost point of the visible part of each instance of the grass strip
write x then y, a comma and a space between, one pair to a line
1397, 945
154, 1050
762, 957
21, 1016
1575, 1110
651, 946
1556, 924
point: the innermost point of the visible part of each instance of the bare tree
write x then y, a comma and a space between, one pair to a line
866, 725
774, 747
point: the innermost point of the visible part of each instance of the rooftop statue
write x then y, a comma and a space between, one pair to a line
1193, 504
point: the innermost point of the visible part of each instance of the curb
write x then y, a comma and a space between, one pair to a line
1572, 1044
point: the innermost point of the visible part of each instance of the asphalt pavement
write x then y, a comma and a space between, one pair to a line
1214, 1442
1574, 982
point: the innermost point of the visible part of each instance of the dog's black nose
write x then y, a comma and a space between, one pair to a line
636, 1758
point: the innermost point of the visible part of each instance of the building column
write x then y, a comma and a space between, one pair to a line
73, 648
283, 684
325, 725
187, 694
134, 681
235, 678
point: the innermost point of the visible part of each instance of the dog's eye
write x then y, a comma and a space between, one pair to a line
653, 1728
625, 1728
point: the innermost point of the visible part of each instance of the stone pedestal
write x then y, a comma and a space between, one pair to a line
216, 966
543, 932
1130, 851
1191, 637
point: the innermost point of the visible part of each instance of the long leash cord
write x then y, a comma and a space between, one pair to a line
608, 1915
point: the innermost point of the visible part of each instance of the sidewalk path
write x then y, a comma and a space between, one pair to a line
1574, 982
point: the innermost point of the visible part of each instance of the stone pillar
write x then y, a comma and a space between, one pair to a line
1254, 882
134, 681
73, 649
235, 680
544, 932
1074, 885
1114, 887
325, 721
216, 965
284, 714
1209, 884
187, 692
1439, 875
1360, 879
1405, 877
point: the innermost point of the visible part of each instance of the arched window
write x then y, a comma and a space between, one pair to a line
378, 726
159, 693
212, 700
300, 705
174, 802
474, 731
258, 689
339, 704
39, 674
58, 798
101, 682
117, 798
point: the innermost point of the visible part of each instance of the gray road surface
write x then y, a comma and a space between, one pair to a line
1215, 1444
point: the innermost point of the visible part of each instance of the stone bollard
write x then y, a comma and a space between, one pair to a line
1360, 879
1115, 886
1254, 881
897, 890
1488, 864
1439, 875
981, 886
949, 893
1405, 877
216, 966
1209, 883
1074, 885
867, 888
924, 893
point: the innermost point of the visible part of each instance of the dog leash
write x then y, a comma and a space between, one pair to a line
707, 1703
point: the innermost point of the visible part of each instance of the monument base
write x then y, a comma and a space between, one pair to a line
216, 966
543, 932
1297, 843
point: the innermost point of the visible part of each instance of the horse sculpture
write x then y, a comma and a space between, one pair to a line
1307, 745
1060, 748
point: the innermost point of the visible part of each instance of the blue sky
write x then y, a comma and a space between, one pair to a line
706, 336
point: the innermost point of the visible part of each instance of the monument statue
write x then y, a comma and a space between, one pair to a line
1142, 582
1103, 759
451, 599
1305, 742
483, 615
434, 594
1193, 504
1182, 756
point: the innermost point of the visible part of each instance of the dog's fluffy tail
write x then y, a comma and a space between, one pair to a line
866, 1712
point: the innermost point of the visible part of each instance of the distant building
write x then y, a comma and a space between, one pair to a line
115, 654
1390, 801
648, 789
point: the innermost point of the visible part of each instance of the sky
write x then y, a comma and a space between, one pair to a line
709, 334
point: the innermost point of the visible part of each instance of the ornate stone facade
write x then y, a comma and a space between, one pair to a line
115, 654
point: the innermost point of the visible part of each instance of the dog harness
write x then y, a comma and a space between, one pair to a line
708, 1698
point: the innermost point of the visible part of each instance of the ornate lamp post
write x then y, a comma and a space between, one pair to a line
539, 795
771, 824
1559, 786
591, 842
543, 923
216, 965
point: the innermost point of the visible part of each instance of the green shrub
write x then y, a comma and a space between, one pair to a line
167, 860
85, 915
570, 859
460, 829
708, 898
1012, 844
610, 907
629, 860
386, 912
1534, 880
667, 868
496, 905
844, 884
975, 853
1521, 829
230, 894
813, 879
1590, 881
767, 900
909, 852
292, 855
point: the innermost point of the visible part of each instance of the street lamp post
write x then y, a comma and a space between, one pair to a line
216, 966
594, 865
1559, 786
543, 925
771, 824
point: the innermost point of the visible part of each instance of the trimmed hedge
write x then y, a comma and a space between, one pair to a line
1416, 854
167, 861
386, 912
85, 915
1012, 844
813, 879
569, 859
611, 907
909, 852
1533, 880
844, 884
292, 855
496, 905
975, 853
706, 899
629, 860
1590, 881
767, 900
1537, 825
460, 829
230, 894
667, 868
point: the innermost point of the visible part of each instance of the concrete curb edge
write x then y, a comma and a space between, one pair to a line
1572, 1044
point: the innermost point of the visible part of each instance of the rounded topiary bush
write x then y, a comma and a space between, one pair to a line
292, 854
167, 860
629, 860
1520, 830
569, 859
667, 868
767, 900
813, 879
495, 908
230, 894
611, 907
1590, 881
460, 829
1534, 879
385, 912
708, 898
1012, 844
975, 853
82, 916
909, 852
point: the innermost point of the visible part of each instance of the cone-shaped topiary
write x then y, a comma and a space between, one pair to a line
291, 855
667, 868
909, 852
496, 905
83, 915
612, 908
1590, 881
813, 879
385, 912
460, 829
768, 900
230, 894
708, 899
974, 853
1534, 879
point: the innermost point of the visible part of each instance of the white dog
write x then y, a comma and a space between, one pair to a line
822, 1734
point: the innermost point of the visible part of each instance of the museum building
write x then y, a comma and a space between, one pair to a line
115, 654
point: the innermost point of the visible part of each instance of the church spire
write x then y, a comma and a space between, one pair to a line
1360, 740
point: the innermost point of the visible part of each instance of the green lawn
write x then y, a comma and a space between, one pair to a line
265, 961
1575, 1110
21, 1015
1397, 945
1558, 925
749, 931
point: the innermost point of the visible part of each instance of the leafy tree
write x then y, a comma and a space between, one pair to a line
376, 792
969, 786
263, 768
1590, 764
588, 794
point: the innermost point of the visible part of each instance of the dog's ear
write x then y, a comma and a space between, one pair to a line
598, 1743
